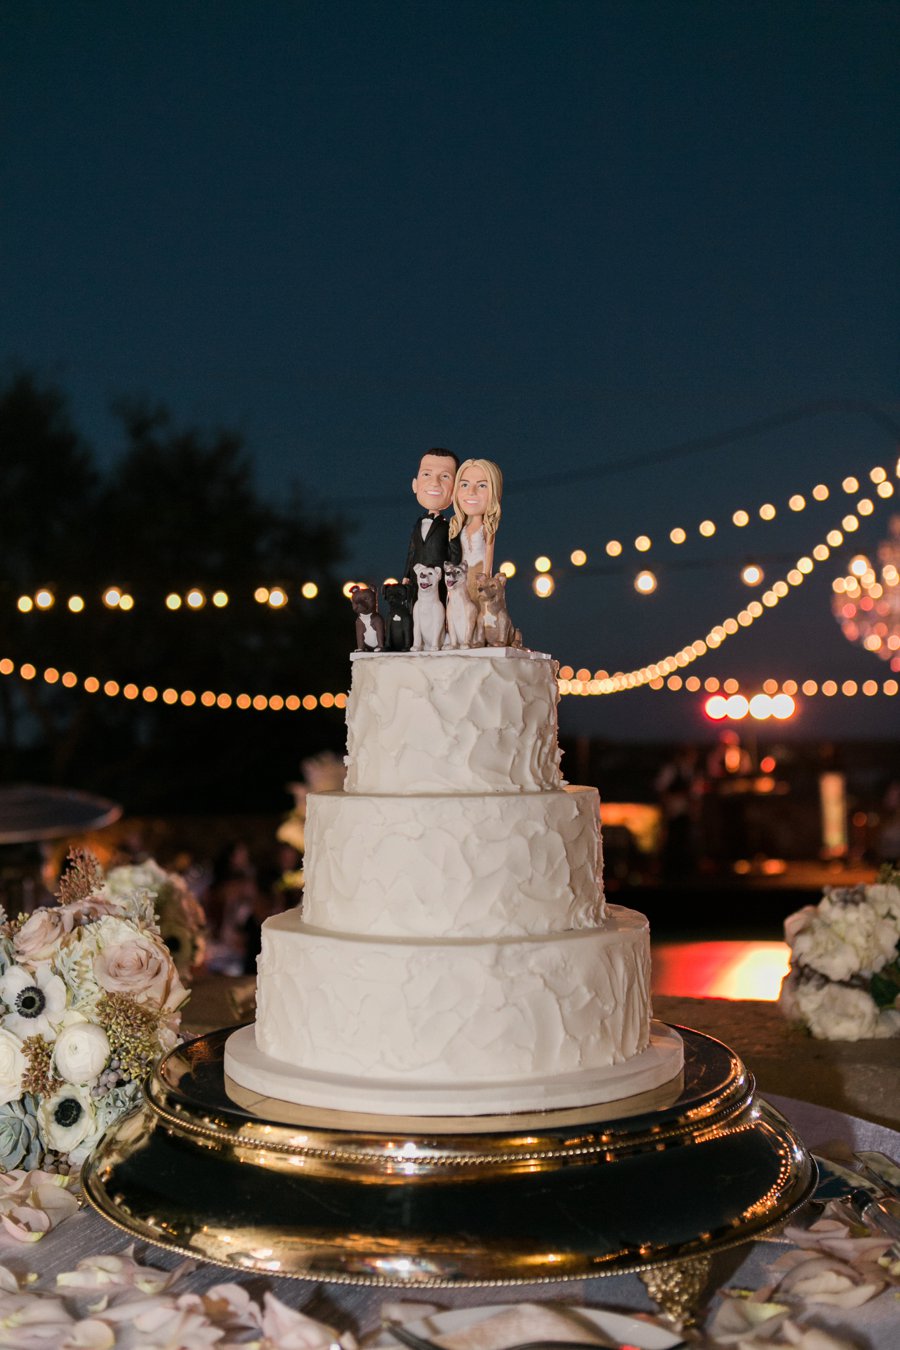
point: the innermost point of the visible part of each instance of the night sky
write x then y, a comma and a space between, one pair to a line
592, 241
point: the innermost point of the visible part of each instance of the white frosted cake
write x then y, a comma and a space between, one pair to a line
455, 955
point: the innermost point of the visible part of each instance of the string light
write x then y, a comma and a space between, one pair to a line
542, 564
188, 698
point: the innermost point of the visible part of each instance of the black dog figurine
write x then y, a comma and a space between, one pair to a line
398, 629
369, 623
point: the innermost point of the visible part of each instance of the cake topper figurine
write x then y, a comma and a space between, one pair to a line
430, 543
398, 627
495, 621
476, 515
369, 623
464, 628
428, 611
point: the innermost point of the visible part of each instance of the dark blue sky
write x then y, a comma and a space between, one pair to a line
562, 235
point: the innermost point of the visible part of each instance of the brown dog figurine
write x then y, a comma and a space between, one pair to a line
463, 615
369, 623
495, 621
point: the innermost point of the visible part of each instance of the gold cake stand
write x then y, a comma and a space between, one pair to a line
653, 1184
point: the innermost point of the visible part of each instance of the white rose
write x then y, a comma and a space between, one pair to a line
81, 1052
839, 1013
12, 1066
122, 882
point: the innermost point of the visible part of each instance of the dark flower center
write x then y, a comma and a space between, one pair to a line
174, 944
68, 1113
30, 1002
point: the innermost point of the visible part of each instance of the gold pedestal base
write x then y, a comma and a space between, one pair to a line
670, 1177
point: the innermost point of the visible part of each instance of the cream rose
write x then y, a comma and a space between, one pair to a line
42, 933
80, 1052
139, 967
12, 1066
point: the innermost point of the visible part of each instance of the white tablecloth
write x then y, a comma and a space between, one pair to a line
875, 1325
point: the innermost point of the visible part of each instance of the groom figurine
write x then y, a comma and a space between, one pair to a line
430, 542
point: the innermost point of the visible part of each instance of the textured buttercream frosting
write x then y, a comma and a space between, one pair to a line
480, 722
454, 938
466, 1010
487, 865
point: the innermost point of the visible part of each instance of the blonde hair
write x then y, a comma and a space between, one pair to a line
495, 492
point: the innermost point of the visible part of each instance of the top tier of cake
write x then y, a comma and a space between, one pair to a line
457, 722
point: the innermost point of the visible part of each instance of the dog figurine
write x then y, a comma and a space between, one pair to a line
464, 627
428, 611
369, 623
496, 624
398, 627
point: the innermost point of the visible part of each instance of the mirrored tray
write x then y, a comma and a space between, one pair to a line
695, 1166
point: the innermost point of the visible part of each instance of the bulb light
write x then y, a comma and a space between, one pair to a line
543, 586
44, 599
220, 599
111, 597
76, 604
578, 558
173, 601
645, 582
508, 569
309, 590
542, 564
752, 574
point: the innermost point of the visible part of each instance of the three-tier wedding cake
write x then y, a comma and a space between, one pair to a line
455, 955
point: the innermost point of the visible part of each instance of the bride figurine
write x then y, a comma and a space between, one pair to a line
476, 515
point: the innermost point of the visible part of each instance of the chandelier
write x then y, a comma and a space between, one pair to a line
866, 602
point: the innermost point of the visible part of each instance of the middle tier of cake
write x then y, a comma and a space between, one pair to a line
478, 865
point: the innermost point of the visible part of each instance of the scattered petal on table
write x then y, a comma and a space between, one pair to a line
823, 1279
740, 1320
285, 1329
112, 1273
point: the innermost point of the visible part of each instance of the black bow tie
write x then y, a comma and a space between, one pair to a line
429, 516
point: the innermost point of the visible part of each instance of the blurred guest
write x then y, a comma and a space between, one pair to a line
679, 786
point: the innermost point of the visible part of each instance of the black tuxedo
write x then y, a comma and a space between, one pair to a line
433, 551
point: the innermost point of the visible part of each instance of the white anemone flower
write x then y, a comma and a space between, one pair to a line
36, 1002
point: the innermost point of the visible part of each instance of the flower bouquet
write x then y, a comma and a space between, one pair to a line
844, 980
89, 998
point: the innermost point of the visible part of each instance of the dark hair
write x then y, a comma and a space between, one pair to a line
445, 454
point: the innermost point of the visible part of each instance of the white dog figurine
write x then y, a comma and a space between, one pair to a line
428, 611
463, 618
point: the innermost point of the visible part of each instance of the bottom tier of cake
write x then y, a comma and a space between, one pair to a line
395, 1025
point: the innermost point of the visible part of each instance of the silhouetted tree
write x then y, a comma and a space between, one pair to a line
178, 509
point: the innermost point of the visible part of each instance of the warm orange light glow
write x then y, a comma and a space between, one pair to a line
309, 590
131, 691
173, 601
543, 586
578, 557
767, 511
76, 604
643, 543
310, 701
752, 574
508, 568
716, 708
111, 597
44, 599
707, 528
797, 502
542, 564
678, 535
820, 492
25, 604
220, 599
195, 598
645, 582
733, 970
740, 518
261, 594
91, 684
51, 675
